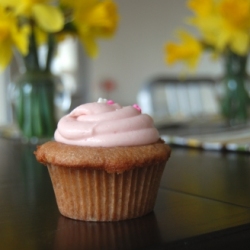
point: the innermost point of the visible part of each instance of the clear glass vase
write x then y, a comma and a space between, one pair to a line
38, 101
235, 101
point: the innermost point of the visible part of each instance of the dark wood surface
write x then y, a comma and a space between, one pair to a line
203, 203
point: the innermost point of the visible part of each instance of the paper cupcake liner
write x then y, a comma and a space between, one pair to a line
95, 195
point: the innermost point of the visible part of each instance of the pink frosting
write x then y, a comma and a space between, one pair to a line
106, 125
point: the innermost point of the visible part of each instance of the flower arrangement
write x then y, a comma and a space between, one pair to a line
223, 30
25, 25
223, 25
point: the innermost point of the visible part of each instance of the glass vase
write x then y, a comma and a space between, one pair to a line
235, 101
38, 100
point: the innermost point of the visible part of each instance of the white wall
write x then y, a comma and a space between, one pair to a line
137, 51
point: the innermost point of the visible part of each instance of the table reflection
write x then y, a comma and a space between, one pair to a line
140, 233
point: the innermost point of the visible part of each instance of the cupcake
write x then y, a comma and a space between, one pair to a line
106, 162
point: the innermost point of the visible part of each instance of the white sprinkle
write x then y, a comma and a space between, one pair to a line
102, 100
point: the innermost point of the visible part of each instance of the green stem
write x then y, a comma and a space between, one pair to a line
47, 102
37, 122
35, 104
28, 105
50, 53
31, 60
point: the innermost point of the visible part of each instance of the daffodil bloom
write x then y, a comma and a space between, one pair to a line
201, 8
95, 19
48, 17
11, 36
234, 25
206, 19
223, 23
236, 13
188, 50
25, 24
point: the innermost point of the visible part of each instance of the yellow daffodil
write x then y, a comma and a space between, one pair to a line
188, 50
80, 4
47, 16
234, 25
220, 26
26, 24
10, 36
201, 8
223, 25
236, 13
205, 19
94, 19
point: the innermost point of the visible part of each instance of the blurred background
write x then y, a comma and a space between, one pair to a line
136, 53
133, 56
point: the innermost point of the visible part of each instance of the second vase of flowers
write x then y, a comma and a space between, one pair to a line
224, 32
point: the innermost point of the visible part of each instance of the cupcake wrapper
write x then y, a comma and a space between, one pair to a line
95, 195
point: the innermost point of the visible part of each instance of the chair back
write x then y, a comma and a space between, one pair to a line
178, 100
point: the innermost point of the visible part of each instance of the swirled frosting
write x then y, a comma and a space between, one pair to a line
106, 124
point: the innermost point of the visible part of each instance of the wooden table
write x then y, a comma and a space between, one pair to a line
203, 203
